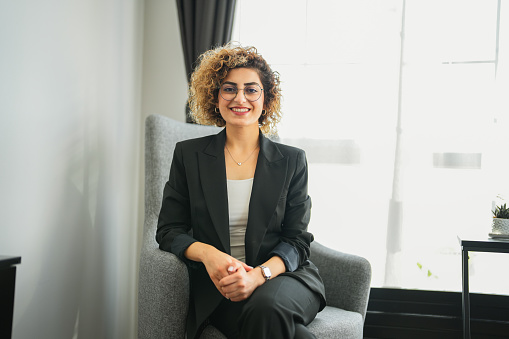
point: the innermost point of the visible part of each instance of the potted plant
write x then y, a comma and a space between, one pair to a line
501, 220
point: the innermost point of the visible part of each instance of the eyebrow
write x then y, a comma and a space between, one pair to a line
246, 84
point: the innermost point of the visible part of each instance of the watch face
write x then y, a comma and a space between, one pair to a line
266, 272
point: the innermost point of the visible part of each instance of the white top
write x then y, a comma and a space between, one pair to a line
239, 195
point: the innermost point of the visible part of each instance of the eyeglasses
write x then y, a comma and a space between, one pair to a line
252, 92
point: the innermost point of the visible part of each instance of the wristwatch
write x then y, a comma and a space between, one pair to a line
266, 272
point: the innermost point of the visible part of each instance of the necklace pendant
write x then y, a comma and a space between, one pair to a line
239, 163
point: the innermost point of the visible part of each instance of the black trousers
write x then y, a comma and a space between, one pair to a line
279, 309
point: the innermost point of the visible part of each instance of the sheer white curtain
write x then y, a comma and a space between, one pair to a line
70, 127
401, 109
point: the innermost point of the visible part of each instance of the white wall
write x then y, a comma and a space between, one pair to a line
70, 124
164, 75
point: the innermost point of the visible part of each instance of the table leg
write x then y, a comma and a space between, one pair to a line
7, 284
466, 297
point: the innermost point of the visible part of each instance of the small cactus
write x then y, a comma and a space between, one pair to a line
501, 212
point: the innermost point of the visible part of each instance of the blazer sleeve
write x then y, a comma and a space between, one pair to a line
295, 239
174, 221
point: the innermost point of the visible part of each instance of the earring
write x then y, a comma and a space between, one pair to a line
216, 110
264, 112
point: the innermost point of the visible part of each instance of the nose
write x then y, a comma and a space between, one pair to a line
241, 96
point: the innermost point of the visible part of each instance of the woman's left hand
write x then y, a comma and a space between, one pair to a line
240, 285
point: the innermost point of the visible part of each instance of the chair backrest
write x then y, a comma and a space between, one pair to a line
161, 135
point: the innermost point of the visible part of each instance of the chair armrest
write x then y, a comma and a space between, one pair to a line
347, 278
163, 295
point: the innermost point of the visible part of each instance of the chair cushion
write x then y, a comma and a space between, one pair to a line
334, 323
331, 323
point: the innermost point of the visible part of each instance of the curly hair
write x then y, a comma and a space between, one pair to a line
213, 67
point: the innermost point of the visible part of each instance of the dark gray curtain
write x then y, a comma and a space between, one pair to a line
204, 24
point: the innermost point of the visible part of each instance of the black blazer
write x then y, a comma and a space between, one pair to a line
195, 208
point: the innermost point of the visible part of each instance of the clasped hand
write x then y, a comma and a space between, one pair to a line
232, 278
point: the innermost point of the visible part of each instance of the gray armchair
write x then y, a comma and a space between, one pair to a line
163, 280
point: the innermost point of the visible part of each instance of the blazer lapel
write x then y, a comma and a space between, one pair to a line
268, 185
213, 179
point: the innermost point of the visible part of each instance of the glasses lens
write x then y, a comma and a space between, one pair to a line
228, 92
252, 92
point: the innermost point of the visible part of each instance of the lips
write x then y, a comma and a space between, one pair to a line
240, 110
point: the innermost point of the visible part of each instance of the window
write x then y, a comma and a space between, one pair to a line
406, 138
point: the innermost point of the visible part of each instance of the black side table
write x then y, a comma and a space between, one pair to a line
7, 284
476, 245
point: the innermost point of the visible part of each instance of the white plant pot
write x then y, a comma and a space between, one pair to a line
500, 226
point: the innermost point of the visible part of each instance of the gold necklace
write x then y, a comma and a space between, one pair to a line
237, 162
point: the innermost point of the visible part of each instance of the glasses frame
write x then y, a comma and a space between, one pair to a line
237, 92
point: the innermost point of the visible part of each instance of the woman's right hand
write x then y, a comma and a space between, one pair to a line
220, 265
217, 263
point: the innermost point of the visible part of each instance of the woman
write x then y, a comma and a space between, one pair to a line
235, 208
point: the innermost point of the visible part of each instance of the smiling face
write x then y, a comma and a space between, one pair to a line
240, 111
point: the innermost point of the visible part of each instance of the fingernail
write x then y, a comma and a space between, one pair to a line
230, 269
